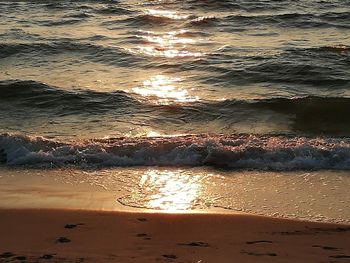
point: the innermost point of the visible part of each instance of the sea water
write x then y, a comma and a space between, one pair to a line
240, 86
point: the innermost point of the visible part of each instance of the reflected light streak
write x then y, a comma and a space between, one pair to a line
171, 44
169, 38
153, 134
163, 90
166, 14
168, 52
170, 190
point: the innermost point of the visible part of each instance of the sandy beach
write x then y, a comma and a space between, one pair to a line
46, 219
42, 235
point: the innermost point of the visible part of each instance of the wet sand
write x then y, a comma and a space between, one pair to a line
42, 235
46, 217
316, 196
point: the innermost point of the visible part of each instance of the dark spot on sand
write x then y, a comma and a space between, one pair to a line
343, 229
63, 240
7, 255
47, 256
170, 256
195, 244
319, 230
70, 226
326, 247
142, 219
287, 233
337, 229
258, 241
258, 254
147, 238
21, 258
142, 235
314, 231
340, 256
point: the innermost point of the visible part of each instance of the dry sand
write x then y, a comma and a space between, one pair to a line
41, 235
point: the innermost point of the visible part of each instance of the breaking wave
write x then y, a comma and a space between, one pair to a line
281, 153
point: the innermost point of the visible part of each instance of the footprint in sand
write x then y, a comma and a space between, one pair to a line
7, 255
145, 236
340, 256
195, 244
47, 256
258, 242
326, 247
63, 240
21, 258
170, 256
142, 235
70, 226
258, 254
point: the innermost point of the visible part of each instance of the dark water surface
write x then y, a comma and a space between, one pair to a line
254, 84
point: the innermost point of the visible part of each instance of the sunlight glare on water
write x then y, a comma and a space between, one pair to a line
170, 190
170, 44
163, 90
166, 14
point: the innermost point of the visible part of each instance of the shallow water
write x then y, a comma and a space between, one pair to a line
314, 196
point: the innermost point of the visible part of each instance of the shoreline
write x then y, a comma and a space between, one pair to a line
172, 190
57, 235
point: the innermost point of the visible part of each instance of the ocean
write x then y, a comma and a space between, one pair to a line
200, 93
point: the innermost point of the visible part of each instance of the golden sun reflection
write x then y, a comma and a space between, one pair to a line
166, 14
170, 38
170, 45
164, 90
153, 134
170, 190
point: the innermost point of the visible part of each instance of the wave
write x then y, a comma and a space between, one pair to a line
309, 115
290, 20
39, 95
62, 22
306, 115
342, 49
35, 92
203, 21
19, 34
143, 19
325, 66
298, 20
239, 5
113, 10
87, 51
279, 153
67, 45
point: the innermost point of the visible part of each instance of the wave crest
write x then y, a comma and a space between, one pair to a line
280, 153
39, 95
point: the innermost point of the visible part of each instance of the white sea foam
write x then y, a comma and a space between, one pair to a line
279, 153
